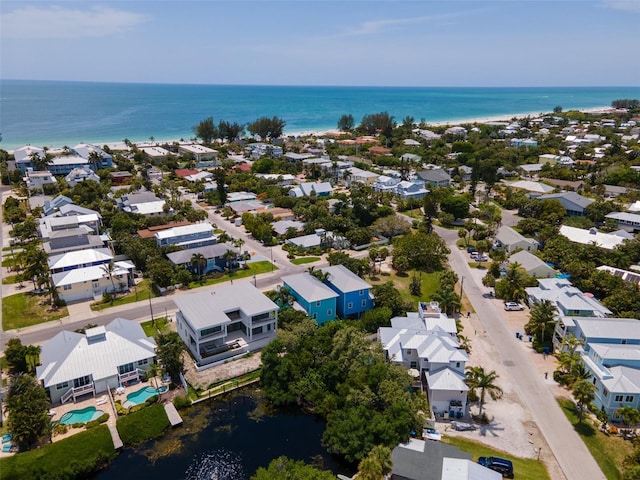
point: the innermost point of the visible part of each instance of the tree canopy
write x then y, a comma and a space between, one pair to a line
336, 372
206, 130
27, 405
266, 127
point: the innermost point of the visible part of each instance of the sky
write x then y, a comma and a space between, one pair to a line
315, 42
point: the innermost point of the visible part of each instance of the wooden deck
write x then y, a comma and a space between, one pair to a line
173, 415
117, 442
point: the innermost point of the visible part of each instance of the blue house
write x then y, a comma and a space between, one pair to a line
316, 298
354, 294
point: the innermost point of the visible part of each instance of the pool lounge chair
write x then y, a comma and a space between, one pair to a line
102, 400
6, 448
7, 437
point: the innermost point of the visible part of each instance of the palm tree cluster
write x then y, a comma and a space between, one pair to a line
542, 323
478, 379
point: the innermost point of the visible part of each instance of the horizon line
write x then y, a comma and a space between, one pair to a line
306, 85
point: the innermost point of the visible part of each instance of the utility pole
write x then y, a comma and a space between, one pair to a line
461, 284
151, 309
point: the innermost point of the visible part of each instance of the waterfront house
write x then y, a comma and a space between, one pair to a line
354, 294
509, 240
313, 296
225, 322
574, 203
187, 236
198, 152
76, 364
96, 156
532, 264
24, 155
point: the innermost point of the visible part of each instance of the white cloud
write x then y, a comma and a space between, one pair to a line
624, 5
61, 22
378, 26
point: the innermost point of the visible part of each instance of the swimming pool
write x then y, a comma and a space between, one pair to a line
81, 416
141, 396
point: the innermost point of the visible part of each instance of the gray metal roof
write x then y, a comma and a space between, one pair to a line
344, 279
206, 309
422, 460
309, 287
528, 260
627, 328
572, 197
210, 251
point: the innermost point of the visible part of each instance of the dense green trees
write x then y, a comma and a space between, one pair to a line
206, 130
169, 351
339, 374
266, 127
346, 123
424, 251
21, 358
283, 468
27, 406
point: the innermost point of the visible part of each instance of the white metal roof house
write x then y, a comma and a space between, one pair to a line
424, 341
81, 174
75, 364
92, 282
568, 299
37, 179
608, 241
626, 220
225, 322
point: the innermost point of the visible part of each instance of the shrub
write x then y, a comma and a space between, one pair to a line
101, 419
77, 425
138, 427
120, 410
151, 400
60, 429
181, 401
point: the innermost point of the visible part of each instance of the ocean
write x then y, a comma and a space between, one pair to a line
55, 113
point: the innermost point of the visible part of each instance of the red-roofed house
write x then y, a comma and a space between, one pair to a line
185, 172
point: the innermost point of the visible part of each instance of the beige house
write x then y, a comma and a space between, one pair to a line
510, 240
533, 265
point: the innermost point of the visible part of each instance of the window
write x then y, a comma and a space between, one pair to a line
408, 351
350, 305
96, 284
364, 303
67, 287
315, 316
414, 365
143, 362
361, 292
317, 304
62, 385
628, 398
329, 312
605, 392
125, 368
618, 398
457, 364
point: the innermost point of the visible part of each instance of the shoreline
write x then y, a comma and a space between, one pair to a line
119, 145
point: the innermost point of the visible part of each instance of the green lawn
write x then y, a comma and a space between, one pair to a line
524, 468
608, 450
75, 457
430, 284
23, 310
303, 260
7, 261
254, 268
151, 328
143, 425
9, 279
142, 291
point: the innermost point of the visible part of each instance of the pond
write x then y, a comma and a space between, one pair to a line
227, 440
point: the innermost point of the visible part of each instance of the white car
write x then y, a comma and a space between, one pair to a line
431, 434
509, 306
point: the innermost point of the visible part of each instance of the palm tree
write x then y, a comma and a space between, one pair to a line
228, 255
584, 393
152, 372
284, 297
477, 378
448, 300
199, 261
542, 321
377, 464
515, 281
109, 269
319, 274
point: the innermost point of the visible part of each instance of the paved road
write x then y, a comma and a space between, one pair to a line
572, 455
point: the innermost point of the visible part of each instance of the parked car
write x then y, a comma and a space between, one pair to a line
471, 249
509, 306
497, 464
431, 434
462, 426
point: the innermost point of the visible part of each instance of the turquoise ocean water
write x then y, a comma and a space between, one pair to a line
55, 113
